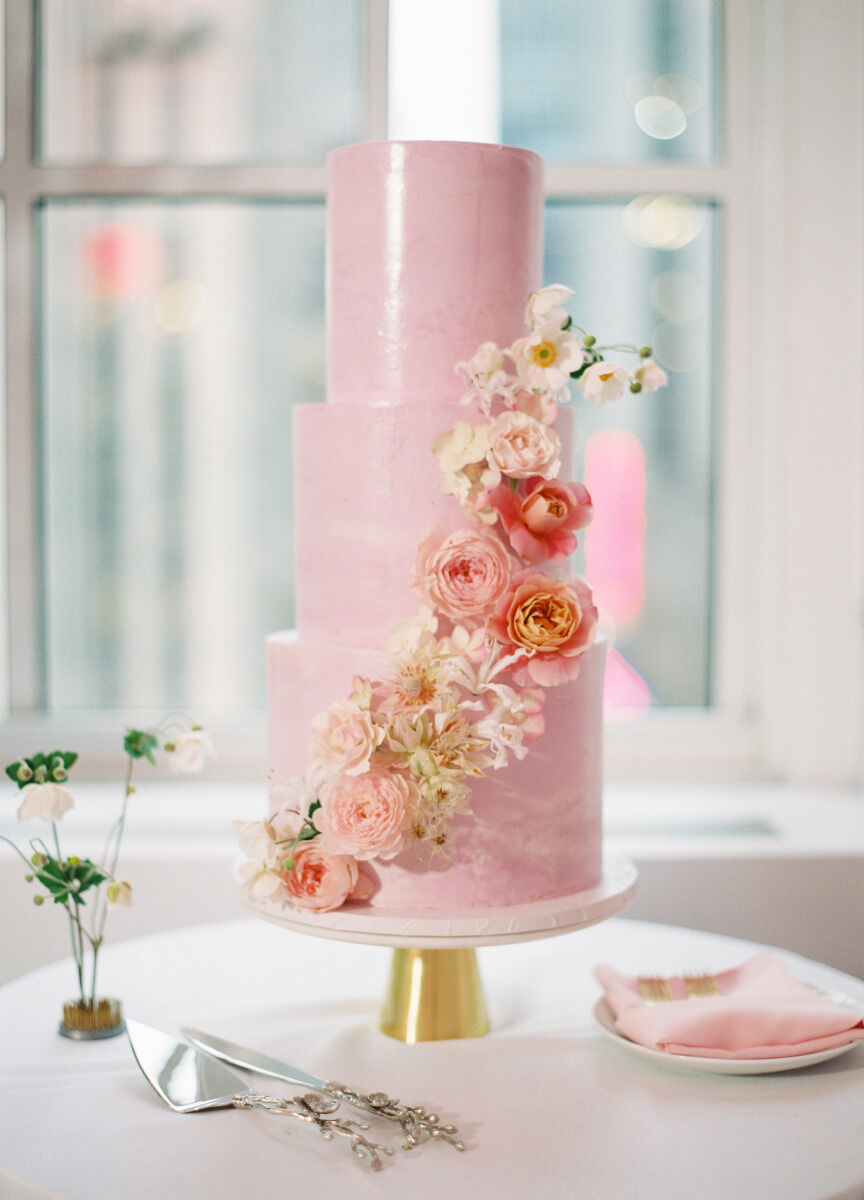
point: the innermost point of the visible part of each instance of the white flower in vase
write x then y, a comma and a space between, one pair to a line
188, 752
47, 800
119, 895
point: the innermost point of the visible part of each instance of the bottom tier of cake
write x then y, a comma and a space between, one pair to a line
535, 829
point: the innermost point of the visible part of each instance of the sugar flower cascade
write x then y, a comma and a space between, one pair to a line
392, 764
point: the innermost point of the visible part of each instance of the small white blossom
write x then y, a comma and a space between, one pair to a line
487, 377
604, 382
260, 880
190, 750
650, 375
407, 634
545, 305
461, 445
119, 895
546, 357
47, 800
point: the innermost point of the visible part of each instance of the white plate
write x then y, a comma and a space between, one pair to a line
717, 1066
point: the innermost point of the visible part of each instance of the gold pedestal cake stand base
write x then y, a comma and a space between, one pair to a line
435, 990
433, 995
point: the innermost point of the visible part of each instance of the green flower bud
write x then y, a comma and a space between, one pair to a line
74, 860
589, 340
37, 900
24, 773
287, 864
38, 859
635, 386
644, 351
29, 878
59, 774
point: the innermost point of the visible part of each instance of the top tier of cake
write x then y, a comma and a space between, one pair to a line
432, 249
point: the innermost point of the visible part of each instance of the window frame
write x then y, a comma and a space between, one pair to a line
772, 715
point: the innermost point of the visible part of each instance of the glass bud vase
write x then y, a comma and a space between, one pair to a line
89, 1020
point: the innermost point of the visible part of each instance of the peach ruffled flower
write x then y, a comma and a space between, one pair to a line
345, 737
319, 881
462, 573
366, 816
522, 446
541, 524
553, 620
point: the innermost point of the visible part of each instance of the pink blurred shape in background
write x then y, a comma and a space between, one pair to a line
615, 550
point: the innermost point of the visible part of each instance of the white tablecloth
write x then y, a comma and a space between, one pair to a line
548, 1105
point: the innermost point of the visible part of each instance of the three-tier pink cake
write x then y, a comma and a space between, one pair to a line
433, 248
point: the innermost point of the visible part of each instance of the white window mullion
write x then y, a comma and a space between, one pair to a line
24, 551
813, 316
377, 37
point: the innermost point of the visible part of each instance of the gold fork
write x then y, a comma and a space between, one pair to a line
654, 990
701, 986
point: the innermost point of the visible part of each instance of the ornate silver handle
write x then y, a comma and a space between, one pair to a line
417, 1124
318, 1110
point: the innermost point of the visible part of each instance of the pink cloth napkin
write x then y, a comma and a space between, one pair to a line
762, 1012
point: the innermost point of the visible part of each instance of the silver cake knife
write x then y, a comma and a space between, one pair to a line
417, 1124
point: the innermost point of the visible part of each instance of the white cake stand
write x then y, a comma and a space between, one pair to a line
435, 990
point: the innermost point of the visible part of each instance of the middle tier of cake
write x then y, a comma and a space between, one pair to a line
367, 491
534, 831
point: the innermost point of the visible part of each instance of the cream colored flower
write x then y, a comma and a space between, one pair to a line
604, 382
650, 375
461, 445
545, 305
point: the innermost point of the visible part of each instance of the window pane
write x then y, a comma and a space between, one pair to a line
633, 81
215, 82
598, 82
645, 270
174, 343
4, 555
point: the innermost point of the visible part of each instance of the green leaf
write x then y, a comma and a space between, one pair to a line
12, 771
140, 743
59, 878
313, 808
41, 767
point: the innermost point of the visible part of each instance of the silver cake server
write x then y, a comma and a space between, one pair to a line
417, 1124
189, 1081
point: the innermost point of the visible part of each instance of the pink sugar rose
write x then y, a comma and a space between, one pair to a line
521, 446
367, 815
553, 620
541, 523
319, 881
462, 573
344, 738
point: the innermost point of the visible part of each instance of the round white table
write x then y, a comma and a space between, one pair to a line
548, 1105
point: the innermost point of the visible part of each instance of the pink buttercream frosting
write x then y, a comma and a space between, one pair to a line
432, 248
